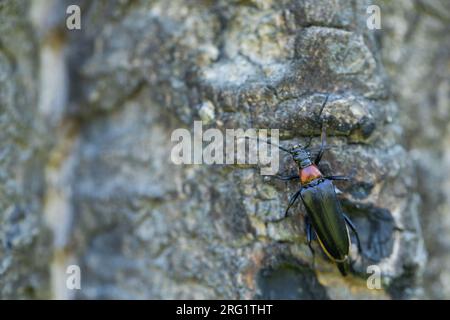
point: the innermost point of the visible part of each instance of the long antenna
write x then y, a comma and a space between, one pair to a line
282, 148
320, 114
268, 142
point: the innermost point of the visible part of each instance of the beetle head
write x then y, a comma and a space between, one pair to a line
301, 156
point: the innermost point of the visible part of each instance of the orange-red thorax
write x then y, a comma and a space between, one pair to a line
309, 174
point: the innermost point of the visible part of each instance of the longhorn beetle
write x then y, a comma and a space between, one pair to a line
325, 218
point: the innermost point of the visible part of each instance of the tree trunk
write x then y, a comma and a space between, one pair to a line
105, 100
24, 238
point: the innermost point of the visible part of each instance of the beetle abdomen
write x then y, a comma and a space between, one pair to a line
327, 218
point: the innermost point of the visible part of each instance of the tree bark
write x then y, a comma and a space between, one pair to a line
141, 227
24, 237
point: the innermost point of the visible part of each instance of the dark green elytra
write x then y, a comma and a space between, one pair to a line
325, 213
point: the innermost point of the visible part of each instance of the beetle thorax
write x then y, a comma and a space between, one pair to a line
309, 173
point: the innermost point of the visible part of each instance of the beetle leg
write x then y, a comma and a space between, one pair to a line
309, 237
287, 178
352, 226
343, 178
292, 201
309, 234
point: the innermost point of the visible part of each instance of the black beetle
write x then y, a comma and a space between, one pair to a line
325, 218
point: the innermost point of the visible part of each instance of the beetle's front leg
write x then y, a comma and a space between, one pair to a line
287, 178
340, 178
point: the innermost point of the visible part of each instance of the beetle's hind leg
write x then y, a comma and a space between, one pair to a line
310, 236
355, 232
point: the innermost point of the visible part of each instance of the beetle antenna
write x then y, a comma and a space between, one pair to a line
309, 143
268, 142
320, 114
323, 105
327, 147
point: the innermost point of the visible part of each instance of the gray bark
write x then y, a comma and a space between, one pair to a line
99, 170
24, 238
417, 37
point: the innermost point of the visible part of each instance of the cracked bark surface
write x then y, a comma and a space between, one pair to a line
142, 227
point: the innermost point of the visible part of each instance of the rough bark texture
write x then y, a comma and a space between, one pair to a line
417, 57
141, 227
23, 237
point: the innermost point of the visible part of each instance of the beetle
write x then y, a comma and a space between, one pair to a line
324, 218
